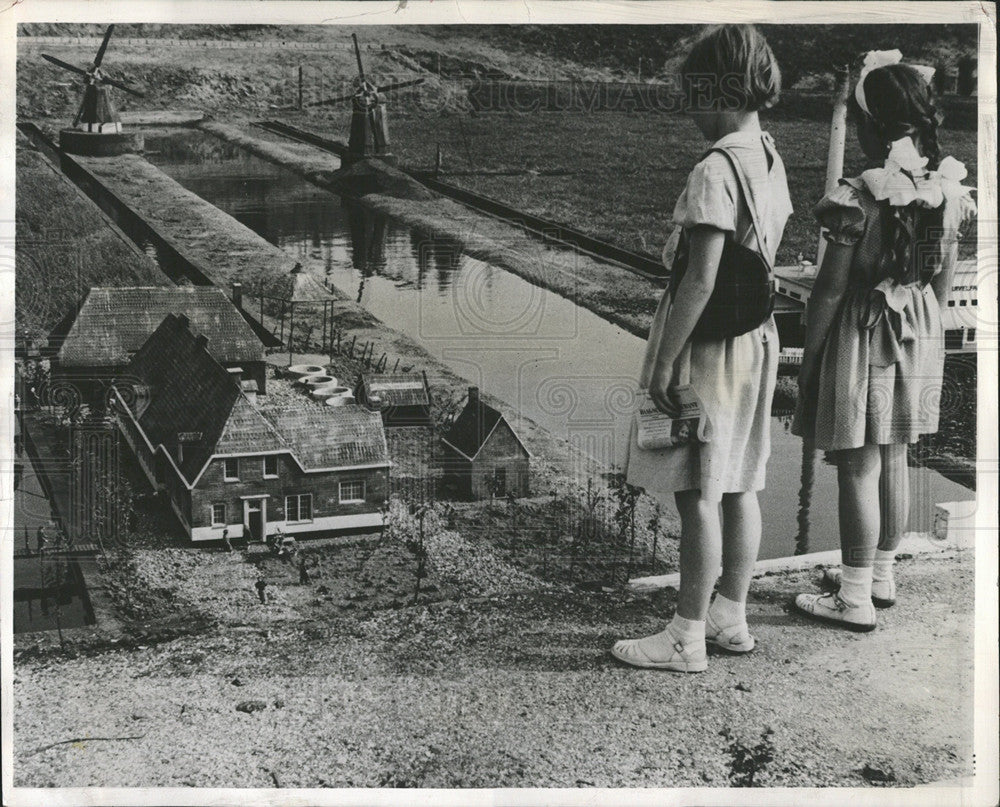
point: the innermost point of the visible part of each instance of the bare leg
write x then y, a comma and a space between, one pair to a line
858, 471
741, 528
894, 496
701, 553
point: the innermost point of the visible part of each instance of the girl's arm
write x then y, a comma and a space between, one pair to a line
941, 282
705, 252
824, 301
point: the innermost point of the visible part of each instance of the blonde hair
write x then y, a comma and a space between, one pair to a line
731, 67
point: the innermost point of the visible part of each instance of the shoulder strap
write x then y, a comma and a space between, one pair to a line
748, 196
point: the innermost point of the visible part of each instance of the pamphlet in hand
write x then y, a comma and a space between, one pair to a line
656, 430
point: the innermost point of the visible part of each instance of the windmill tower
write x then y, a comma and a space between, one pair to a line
97, 128
369, 137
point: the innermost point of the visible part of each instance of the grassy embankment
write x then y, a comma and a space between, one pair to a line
65, 246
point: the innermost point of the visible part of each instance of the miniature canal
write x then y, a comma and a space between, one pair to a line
555, 362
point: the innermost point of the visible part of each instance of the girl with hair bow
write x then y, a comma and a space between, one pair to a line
873, 362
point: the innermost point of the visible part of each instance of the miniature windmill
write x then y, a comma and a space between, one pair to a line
97, 128
369, 128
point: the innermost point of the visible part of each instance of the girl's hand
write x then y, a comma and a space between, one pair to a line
662, 394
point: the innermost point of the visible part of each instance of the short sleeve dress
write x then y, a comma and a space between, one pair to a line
734, 377
880, 374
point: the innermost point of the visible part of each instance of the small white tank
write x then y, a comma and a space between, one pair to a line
313, 381
341, 400
324, 391
300, 370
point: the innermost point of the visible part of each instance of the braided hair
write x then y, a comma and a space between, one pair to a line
901, 104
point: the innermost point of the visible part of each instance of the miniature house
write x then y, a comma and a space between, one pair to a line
227, 462
403, 398
94, 344
482, 455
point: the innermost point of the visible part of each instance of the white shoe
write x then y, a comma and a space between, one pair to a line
677, 658
883, 591
732, 639
831, 608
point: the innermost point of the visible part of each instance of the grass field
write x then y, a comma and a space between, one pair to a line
619, 174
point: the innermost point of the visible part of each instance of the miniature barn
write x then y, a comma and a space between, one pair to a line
404, 399
228, 462
482, 455
94, 344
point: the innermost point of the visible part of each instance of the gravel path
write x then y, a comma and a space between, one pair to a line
516, 691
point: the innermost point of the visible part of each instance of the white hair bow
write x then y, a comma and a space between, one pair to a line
875, 59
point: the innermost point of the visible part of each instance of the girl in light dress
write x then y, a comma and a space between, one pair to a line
872, 367
730, 74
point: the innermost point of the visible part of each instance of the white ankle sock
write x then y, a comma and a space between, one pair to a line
687, 630
856, 585
882, 568
726, 612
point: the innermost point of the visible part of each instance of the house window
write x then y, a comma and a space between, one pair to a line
299, 508
231, 470
218, 515
796, 295
951, 304
353, 491
270, 467
962, 302
975, 301
970, 335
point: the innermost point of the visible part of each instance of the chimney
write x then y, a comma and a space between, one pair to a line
183, 321
236, 373
238, 294
201, 341
474, 395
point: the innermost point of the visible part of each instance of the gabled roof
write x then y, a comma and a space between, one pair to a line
298, 286
190, 392
473, 427
322, 436
113, 323
397, 389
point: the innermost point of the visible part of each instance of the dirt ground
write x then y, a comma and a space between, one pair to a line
511, 690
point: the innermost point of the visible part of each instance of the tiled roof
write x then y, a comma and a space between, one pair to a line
190, 392
397, 389
471, 428
113, 323
331, 437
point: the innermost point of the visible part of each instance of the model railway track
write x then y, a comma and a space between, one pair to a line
549, 232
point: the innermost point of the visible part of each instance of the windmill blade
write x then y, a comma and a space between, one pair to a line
104, 46
357, 53
121, 86
399, 85
327, 101
64, 65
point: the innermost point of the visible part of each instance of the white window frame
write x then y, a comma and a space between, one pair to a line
273, 457
298, 497
340, 491
225, 514
225, 470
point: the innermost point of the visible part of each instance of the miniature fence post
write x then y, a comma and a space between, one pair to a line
353, 340
838, 140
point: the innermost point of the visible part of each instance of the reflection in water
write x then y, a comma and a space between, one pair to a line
49, 594
558, 364
805, 495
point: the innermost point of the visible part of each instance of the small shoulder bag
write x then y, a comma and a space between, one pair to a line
743, 297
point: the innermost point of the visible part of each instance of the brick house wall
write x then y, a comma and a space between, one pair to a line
328, 513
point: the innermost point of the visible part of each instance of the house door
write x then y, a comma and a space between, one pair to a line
500, 481
255, 519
